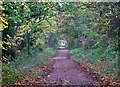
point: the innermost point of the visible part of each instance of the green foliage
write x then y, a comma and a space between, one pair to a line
28, 65
0, 72
10, 75
34, 26
22, 19
25, 66
95, 56
40, 43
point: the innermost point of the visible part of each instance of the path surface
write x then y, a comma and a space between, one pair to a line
66, 72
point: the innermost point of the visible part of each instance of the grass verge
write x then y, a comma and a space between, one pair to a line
25, 66
102, 61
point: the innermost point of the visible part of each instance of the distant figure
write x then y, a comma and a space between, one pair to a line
84, 40
62, 42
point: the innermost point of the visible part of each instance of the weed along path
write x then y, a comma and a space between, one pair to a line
68, 72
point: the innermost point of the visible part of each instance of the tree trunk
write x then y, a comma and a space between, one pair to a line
28, 43
5, 52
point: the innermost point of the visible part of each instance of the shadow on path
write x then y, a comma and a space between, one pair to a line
68, 72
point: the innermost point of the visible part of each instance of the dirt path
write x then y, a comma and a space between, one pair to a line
63, 70
68, 72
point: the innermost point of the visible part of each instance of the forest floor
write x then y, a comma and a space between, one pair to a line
62, 70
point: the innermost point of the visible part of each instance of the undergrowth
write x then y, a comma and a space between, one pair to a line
104, 61
24, 66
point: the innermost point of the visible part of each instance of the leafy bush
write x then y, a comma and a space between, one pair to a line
40, 43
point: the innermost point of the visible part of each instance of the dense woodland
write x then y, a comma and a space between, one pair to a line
29, 33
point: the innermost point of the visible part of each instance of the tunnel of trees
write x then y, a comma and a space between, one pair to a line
29, 26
